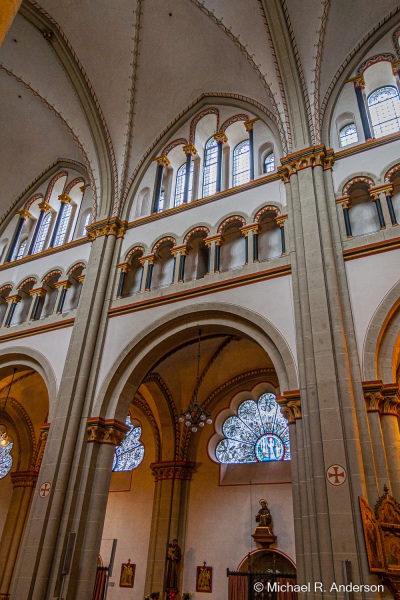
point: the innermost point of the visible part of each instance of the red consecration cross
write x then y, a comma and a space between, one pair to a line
336, 474
44, 490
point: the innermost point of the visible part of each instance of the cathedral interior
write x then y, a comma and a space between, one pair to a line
199, 300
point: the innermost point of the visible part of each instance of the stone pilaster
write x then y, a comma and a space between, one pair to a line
391, 435
373, 402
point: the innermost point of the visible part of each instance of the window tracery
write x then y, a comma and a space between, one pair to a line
5, 459
241, 163
130, 453
259, 433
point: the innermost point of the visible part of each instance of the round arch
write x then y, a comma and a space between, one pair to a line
133, 363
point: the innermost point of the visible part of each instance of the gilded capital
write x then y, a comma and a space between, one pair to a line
162, 160
189, 149
111, 226
391, 399
125, 267
290, 406
148, 258
395, 67
249, 124
64, 198
179, 469
280, 220
182, 250
106, 431
24, 214
84, 187
40, 292
44, 206
359, 81
221, 137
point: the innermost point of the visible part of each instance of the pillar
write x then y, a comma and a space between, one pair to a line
249, 128
147, 263
179, 254
12, 301
359, 85
63, 287
37, 295
213, 244
64, 199
124, 268
374, 194
24, 483
385, 192
345, 203
190, 151
251, 234
172, 480
44, 208
373, 402
23, 216
162, 163
391, 433
280, 221
221, 139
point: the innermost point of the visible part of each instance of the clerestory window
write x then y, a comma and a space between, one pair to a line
180, 184
62, 228
269, 163
42, 235
384, 108
348, 135
241, 163
210, 168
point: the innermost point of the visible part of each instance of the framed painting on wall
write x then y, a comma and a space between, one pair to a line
127, 576
204, 579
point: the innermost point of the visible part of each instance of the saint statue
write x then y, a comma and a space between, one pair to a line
173, 558
263, 517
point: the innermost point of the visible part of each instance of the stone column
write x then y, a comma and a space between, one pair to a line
190, 151
162, 163
373, 402
12, 304
24, 483
280, 221
245, 234
179, 254
391, 434
249, 128
64, 199
147, 263
63, 287
44, 208
221, 139
37, 297
385, 192
124, 268
213, 243
345, 203
251, 234
359, 85
169, 515
374, 194
23, 216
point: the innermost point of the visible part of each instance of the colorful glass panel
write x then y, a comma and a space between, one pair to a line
130, 453
5, 459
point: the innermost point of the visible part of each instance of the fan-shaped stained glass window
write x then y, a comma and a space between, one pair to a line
5, 459
259, 433
130, 453
241, 163
348, 135
384, 108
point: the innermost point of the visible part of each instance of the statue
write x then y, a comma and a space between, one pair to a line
263, 517
173, 558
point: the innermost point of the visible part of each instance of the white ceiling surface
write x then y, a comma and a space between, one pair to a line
179, 58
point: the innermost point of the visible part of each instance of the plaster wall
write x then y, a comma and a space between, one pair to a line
6, 490
220, 513
370, 279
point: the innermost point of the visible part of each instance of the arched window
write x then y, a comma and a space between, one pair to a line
180, 184
210, 168
384, 108
130, 453
86, 223
41, 238
162, 200
21, 249
348, 135
241, 163
269, 163
62, 228
5, 459
259, 433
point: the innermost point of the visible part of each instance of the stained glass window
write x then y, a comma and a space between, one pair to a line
41, 238
161, 201
130, 453
210, 168
21, 249
241, 163
384, 108
348, 135
180, 184
62, 228
269, 163
5, 459
259, 433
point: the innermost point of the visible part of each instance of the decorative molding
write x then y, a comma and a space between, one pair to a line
265, 209
26, 281
174, 144
314, 156
174, 469
31, 201
376, 58
290, 404
162, 386
180, 295
140, 401
75, 182
163, 240
52, 183
192, 232
347, 187
133, 251
232, 219
25, 479
113, 226
389, 174
15, 335
317, 70
228, 123
46, 252
106, 431
75, 266
210, 110
51, 274
369, 249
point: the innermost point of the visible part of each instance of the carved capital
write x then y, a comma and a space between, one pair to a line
220, 137
391, 399
65, 284
372, 395
189, 149
24, 214
125, 267
395, 67
182, 250
344, 201
44, 206
107, 227
249, 124
314, 156
380, 189
217, 239
14, 299
254, 227
280, 220
106, 431
290, 404
41, 292
150, 258
84, 187
359, 81
64, 199
24, 479
162, 160
177, 469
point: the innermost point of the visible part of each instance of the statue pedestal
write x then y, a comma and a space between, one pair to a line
263, 536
